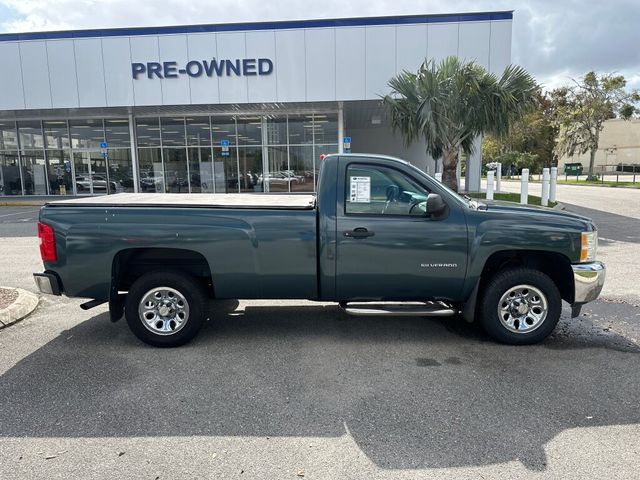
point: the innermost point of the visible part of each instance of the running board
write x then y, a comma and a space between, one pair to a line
390, 309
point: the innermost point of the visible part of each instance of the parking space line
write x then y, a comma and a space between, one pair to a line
17, 213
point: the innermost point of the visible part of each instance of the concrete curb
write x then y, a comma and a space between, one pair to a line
19, 309
559, 206
25, 203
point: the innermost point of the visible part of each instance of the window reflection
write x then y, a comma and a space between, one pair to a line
10, 174
86, 133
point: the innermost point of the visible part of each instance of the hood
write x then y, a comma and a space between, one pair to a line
516, 208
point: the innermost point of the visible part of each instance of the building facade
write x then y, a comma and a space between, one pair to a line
217, 108
619, 146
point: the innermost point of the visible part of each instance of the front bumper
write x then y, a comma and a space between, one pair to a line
48, 283
588, 279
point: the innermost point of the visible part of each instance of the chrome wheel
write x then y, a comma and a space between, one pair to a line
163, 310
522, 309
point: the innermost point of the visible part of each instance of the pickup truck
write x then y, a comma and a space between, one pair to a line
380, 237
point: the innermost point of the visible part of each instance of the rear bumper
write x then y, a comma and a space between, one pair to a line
48, 283
588, 279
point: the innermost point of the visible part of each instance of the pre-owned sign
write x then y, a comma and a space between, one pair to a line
198, 68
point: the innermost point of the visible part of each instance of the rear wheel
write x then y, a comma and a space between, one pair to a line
166, 309
520, 306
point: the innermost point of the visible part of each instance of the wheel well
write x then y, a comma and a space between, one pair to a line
130, 264
555, 265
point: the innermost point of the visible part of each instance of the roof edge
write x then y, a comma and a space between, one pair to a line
273, 25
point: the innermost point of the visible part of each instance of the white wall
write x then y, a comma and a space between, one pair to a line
310, 64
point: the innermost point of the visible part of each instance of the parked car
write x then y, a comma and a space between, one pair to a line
83, 184
379, 236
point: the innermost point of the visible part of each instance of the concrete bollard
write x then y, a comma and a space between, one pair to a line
490, 184
524, 186
439, 176
499, 178
553, 184
545, 187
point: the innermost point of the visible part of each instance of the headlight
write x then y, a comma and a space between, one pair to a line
589, 246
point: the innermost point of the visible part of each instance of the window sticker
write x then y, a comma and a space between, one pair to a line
360, 189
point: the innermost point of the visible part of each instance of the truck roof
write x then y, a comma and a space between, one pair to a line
197, 200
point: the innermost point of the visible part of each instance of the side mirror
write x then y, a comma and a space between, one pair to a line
435, 204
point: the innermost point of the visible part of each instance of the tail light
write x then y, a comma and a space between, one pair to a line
47, 237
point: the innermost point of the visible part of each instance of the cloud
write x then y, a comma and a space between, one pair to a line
553, 39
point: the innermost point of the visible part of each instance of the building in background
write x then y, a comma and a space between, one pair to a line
619, 145
217, 108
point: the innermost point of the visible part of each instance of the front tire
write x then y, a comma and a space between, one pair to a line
520, 306
166, 309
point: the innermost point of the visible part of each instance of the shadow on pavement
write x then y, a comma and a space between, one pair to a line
412, 392
610, 225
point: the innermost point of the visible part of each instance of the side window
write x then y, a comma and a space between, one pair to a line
374, 190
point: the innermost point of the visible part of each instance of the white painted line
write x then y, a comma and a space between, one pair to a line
17, 213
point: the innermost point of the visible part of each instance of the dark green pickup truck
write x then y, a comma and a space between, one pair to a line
380, 237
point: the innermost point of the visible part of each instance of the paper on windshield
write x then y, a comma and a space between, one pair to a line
360, 189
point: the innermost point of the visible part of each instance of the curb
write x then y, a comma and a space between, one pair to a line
559, 206
19, 309
34, 203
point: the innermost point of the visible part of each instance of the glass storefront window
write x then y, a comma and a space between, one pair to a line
10, 174
34, 173
59, 172
8, 136
120, 169
249, 131
151, 172
223, 128
172, 131
279, 177
88, 133
56, 133
201, 170
276, 130
148, 132
198, 131
117, 132
300, 129
250, 162
30, 134
175, 169
225, 170
325, 128
301, 164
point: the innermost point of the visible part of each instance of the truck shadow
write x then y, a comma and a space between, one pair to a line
412, 392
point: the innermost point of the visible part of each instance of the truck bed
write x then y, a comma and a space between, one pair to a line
200, 200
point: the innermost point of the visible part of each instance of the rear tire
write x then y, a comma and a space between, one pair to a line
166, 309
520, 306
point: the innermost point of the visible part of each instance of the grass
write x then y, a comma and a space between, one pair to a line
510, 197
598, 183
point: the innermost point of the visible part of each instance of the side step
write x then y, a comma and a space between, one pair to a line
395, 309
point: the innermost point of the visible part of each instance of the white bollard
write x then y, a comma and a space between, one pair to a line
439, 176
545, 187
524, 186
490, 184
552, 185
499, 178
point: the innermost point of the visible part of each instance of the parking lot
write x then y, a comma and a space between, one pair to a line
299, 389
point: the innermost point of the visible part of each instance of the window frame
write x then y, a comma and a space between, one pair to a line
378, 215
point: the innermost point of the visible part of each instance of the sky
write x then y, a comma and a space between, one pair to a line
555, 40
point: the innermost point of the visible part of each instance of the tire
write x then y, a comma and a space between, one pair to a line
520, 306
176, 295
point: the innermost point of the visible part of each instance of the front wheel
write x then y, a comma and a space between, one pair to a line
166, 309
520, 306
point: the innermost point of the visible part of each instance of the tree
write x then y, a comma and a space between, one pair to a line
452, 102
535, 133
588, 103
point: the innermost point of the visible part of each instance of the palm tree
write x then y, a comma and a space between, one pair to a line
452, 102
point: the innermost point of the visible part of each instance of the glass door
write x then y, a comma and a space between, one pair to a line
91, 174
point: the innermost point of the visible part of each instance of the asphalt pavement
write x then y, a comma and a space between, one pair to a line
300, 390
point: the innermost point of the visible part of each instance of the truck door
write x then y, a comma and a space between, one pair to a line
387, 248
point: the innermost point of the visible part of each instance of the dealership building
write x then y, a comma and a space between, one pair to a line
248, 107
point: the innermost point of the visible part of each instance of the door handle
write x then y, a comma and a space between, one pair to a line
359, 232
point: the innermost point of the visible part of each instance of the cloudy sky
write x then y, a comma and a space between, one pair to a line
553, 39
